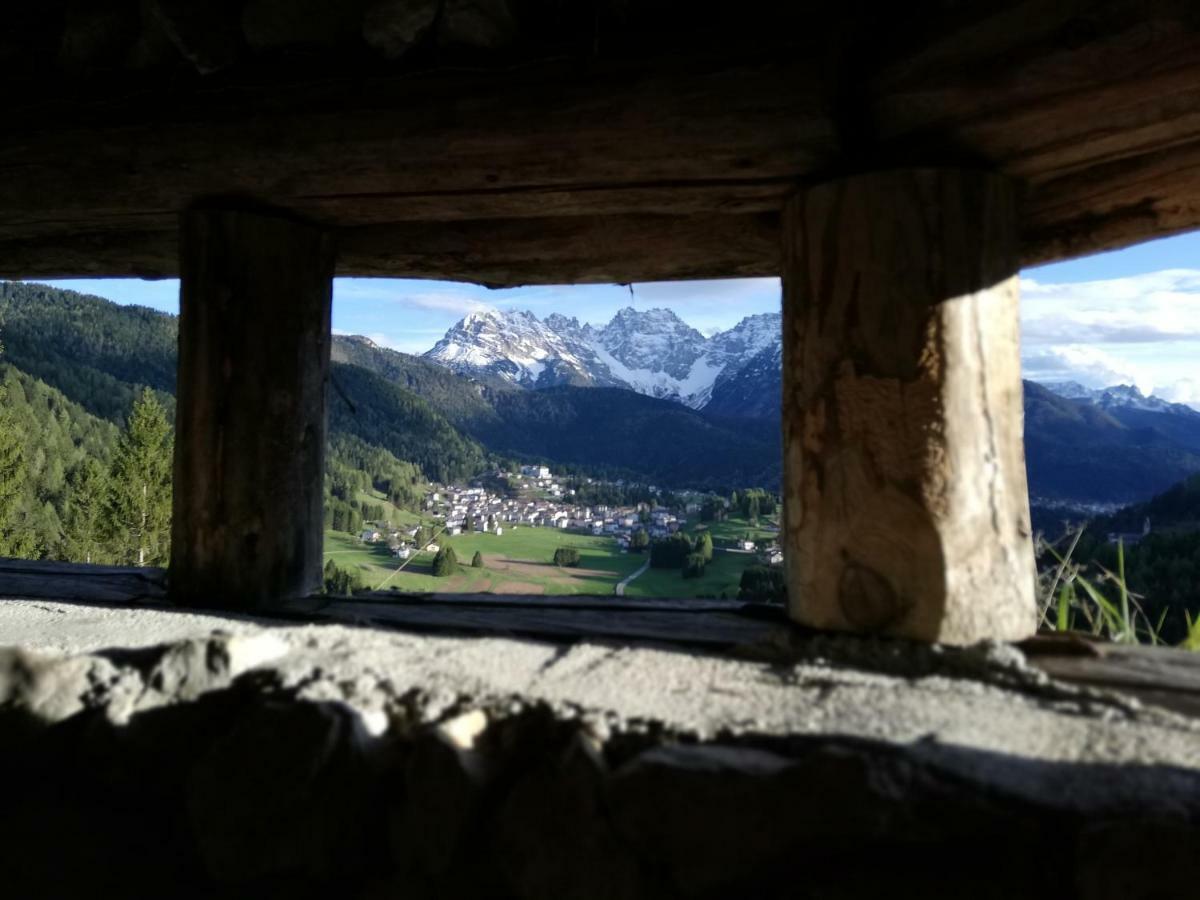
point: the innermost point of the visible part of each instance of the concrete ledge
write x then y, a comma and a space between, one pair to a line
168, 753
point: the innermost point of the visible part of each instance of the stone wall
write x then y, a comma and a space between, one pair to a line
206, 768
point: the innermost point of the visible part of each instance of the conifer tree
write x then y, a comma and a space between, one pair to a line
138, 509
445, 562
477, 560
15, 540
83, 528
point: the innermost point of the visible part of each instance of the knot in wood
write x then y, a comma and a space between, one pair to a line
868, 600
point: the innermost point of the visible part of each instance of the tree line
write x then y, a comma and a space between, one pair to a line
112, 507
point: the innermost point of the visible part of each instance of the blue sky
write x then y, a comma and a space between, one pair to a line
1130, 316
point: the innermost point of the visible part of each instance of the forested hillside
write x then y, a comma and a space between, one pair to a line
667, 442
604, 428
386, 415
57, 437
98, 353
75, 365
1162, 567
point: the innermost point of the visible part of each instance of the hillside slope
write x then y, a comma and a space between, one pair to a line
1079, 452
98, 353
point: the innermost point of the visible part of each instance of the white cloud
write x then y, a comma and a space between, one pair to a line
1141, 329
1185, 390
725, 290
1147, 308
1088, 365
459, 303
405, 344
390, 291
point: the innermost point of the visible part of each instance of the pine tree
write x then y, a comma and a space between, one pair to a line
341, 581
83, 529
445, 562
477, 560
138, 508
15, 539
566, 556
704, 545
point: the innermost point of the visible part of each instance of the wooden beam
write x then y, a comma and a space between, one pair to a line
681, 137
1091, 105
552, 250
254, 342
905, 501
569, 249
1113, 205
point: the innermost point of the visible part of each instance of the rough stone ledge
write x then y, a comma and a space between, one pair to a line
315, 760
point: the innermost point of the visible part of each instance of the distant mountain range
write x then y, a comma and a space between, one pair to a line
560, 398
1118, 397
1110, 446
1085, 447
651, 352
98, 354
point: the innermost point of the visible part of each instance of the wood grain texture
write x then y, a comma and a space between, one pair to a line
560, 619
1092, 106
250, 420
905, 499
50, 580
681, 136
510, 252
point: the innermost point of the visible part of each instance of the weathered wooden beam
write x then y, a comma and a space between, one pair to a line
254, 338
569, 249
552, 250
682, 136
1090, 104
1112, 205
905, 501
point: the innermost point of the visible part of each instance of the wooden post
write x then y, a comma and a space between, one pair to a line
906, 507
250, 423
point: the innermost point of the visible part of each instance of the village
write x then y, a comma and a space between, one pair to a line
535, 499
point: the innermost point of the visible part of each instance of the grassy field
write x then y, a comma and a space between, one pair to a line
721, 576
726, 533
516, 562
519, 562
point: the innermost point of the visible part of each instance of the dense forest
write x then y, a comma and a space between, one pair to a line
88, 398
1162, 567
74, 368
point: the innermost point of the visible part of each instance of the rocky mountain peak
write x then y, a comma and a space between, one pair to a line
651, 351
1117, 396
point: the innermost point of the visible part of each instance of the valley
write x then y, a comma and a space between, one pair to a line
605, 406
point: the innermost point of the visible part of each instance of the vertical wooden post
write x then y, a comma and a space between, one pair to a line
906, 505
250, 423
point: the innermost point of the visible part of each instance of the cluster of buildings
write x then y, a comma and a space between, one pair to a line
483, 510
536, 499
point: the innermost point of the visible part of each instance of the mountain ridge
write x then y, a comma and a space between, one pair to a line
651, 352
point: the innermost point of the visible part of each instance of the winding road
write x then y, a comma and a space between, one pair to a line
620, 588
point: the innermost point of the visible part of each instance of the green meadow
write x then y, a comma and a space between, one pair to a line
519, 561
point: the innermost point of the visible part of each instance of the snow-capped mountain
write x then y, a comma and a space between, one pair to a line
1117, 397
652, 351
520, 348
751, 390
